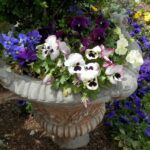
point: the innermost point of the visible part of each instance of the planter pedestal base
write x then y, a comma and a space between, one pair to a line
69, 125
73, 143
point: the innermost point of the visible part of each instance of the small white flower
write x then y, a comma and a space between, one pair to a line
93, 53
118, 31
135, 58
75, 63
114, 73
92, 84
91, 71
64, 48
122, 45
47, 79
137, 1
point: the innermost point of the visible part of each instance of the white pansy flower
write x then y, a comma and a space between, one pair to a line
91, 71
92, 84
114, 73
135, 58
52, 41
122, 45
93, 53
75, 63
64, 48
51, 47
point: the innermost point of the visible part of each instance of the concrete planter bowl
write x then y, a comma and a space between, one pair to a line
65, 118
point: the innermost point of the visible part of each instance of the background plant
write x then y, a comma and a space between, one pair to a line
129, 120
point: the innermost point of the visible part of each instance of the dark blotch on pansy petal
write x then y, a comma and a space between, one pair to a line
77, 68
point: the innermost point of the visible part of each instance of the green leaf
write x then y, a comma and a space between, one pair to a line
122, 131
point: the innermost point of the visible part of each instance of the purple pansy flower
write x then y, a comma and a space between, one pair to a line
129, 12
98, 35
147, 45
111, 114
26, 56
143, 39
21, 103
102, 22
109, 124
137, 30
132, 33
60, 35
141, 114
147, 119
124, 119
79, 23
128, 105
135, 118
86, 42
147, 132
136, 25
117, 104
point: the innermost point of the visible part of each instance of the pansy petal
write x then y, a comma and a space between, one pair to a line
64, 48
54, 54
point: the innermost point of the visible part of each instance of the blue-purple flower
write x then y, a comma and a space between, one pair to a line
21, 103
78, 23
34, 37
111, 115
124, 119
26, 56
135, 118
8, 41
22, 39
147, 132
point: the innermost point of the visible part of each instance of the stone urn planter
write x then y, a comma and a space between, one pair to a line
66, 118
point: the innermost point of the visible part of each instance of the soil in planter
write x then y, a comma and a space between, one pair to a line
22, 132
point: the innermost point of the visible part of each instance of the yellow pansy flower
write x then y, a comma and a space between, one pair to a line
137, 14
94, 8
147, 16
